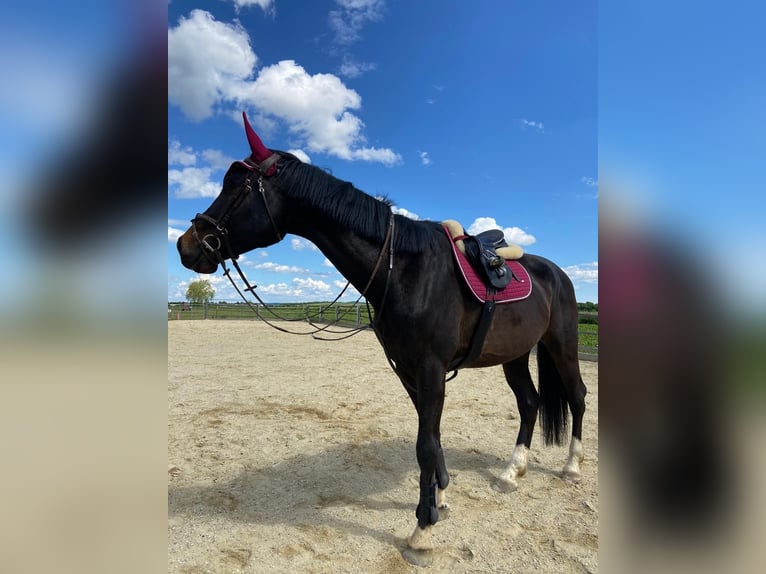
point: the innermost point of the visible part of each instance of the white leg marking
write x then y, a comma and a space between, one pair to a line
420, 539
572, 466
517, 467
441, 498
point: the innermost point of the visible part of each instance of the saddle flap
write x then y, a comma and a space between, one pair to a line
487, 263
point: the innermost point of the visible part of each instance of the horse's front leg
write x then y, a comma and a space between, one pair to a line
433, 470
442, 478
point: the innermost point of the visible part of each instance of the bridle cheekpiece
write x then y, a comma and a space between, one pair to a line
221, 234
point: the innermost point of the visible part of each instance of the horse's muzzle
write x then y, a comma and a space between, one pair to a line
192, 255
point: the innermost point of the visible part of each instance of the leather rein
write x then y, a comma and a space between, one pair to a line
221, 238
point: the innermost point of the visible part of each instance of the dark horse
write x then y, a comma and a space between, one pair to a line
424, 317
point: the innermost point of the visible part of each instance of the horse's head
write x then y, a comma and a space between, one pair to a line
245, 215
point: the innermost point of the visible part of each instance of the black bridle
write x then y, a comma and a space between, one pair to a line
221, 234
221, 237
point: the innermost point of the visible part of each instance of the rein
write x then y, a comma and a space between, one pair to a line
221, 237
387, 243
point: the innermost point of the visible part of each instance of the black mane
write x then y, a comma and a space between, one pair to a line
353, 208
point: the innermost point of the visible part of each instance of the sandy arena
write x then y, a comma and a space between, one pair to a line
287, 454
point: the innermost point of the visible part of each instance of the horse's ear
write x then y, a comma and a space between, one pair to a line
260, 152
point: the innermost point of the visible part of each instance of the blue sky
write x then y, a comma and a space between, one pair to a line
483, 112
682, 134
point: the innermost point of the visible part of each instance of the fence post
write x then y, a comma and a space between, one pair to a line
358, 315
204, 309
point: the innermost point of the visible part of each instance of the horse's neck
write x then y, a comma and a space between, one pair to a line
352, 255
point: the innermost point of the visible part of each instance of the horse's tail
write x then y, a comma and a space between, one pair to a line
553, 400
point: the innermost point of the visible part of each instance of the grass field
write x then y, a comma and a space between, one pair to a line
588, 336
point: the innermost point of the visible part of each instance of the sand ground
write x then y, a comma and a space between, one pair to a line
288, 454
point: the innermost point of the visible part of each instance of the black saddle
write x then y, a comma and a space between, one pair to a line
480, 252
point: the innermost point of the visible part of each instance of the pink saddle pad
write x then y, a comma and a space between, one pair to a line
519, 288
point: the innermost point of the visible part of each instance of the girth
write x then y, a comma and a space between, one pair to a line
477, 340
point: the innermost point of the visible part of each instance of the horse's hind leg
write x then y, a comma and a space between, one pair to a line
569, 367
520, 381
576, 399
560, 372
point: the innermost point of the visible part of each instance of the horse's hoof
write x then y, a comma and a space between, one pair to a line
422, 558
573, 476
504, 485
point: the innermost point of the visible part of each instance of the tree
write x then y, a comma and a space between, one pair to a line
200, 291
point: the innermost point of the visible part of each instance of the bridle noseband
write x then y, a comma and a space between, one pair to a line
221, 234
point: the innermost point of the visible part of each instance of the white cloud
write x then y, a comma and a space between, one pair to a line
512, 234
327, 263
176, 291
180, 156
174, 233
193, 182
266, 5
305, 289
285, 89
353, 69
589, 181
405, 212
315, 107
277, 268
353, 15
584, 273
381, 155
482, 224
298, 243
275, 289
205, 58
313, 285
532, 124
218, 281
300, 154
518, 236
424, 159
211, 64
217, 160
